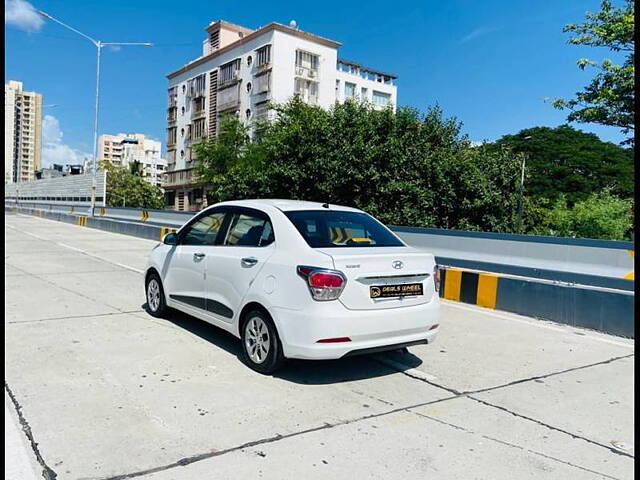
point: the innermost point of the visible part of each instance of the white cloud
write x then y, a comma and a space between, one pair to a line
21, 14
53, 149
478, 32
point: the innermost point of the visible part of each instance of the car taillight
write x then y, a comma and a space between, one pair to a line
436, 277
323, 284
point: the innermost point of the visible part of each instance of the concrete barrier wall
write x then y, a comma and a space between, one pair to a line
581, 256
605, 310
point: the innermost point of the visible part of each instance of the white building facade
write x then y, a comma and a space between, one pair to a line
240, 71
22, 133
125, 148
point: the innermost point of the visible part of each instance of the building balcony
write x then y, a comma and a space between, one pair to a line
198, 113
263, 68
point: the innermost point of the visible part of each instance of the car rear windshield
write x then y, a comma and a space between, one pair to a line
328, 229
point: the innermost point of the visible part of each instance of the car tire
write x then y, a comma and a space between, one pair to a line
156, 303
261, 346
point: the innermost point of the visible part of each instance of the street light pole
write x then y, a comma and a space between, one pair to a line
94, 183
520, 220
99, 45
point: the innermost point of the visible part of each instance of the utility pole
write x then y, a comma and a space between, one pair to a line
99, 46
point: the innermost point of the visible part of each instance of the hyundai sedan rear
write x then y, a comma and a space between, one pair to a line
296, 279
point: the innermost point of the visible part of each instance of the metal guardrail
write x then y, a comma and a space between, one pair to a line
571, 261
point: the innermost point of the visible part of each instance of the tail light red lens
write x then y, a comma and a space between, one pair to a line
323, 284
436, 277
325, 280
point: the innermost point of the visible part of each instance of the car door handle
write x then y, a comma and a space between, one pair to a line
198, 256
249, 261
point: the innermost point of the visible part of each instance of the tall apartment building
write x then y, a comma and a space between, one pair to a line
239, 72
22, 133
125, 148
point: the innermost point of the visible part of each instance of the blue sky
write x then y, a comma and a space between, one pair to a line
490, 63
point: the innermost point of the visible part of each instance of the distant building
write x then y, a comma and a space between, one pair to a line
239, 72
57, 170
124, 149
22, 133
45, 173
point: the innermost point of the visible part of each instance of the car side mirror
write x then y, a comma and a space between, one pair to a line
170, 239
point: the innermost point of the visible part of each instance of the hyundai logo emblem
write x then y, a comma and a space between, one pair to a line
397, 264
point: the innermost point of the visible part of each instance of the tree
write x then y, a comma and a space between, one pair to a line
609, 98
601, 215
404, 168
567, 161
136, 192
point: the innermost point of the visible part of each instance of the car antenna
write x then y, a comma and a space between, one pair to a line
325, 205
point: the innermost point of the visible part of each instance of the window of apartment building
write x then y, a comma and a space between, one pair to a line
171, 135
247, 113
381, 99
349, 90
228, 71
264, 55
198, 129
363, 93
248, 87
171, 157
172, 114
173, 96
306, 60
307, 89
198, 105
197, 85
263, 83
249, 60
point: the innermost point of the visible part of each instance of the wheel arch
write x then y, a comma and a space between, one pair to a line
148, 273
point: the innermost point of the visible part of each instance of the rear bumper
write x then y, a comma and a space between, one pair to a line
368, 330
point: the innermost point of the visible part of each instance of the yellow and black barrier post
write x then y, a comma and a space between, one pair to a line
165, 230
477, 288
144, 216
82, 220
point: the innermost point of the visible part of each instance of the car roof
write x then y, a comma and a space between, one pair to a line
286, 205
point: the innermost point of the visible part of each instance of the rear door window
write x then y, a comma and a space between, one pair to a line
249, 230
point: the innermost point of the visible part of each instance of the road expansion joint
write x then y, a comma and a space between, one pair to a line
552, 374
469, 393
47, 472
72, 317
551, 427
512, 445
273, 439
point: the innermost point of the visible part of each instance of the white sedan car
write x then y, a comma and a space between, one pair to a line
296, 279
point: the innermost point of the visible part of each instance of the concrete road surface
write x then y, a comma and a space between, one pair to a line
98, 389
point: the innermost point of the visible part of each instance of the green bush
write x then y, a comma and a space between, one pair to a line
601, 215
136, 191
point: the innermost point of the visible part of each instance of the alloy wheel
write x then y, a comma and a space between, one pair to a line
257, 340
153, 295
